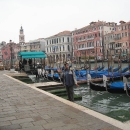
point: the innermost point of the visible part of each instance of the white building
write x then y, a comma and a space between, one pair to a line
59, 46
34, 45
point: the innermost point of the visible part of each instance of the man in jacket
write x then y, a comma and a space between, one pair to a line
69, 80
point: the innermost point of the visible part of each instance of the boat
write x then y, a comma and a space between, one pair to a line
122, 61
113, 87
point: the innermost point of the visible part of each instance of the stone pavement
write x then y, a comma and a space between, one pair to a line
23, 108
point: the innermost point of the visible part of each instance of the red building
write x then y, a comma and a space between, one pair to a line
10, 49
88, 41
118, 40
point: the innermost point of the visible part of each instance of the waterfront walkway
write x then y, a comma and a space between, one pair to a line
25, 108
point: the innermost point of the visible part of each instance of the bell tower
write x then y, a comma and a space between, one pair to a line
21, 36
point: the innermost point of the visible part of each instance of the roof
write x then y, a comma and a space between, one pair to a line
61, 34
28, 55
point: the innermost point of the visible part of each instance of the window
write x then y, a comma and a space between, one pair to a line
129, 26
60, 48
50, 41
68, 48
50, 49
57, 40
126, 43
63, 39
116, 51
126, 34
47, 42
67, 39
122, 34
54, 40
63, 48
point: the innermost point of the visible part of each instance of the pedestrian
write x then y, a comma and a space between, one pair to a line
20, 65
69, 80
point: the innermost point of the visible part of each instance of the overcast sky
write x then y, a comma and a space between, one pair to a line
44, 18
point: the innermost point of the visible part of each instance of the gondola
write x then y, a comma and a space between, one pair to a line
114, 87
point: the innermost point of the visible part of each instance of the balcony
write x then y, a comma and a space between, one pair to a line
91, 38
86, 48
82, 40
117, 38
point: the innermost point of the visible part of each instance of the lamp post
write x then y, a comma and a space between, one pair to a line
11, 56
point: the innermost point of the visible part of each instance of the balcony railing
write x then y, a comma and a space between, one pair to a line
81, 40
117, 38
91, 38
86, 48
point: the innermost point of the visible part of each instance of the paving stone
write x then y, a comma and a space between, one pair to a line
5, 123
33, 128
45, 116
7, 118
53, 125
67, 127
41, 122
24, 125
19, 121
21, 116
11, 127
37, 118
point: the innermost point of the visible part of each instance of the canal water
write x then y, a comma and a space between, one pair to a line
116, 106
113, 105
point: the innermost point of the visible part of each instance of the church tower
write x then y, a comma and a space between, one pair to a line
21, 36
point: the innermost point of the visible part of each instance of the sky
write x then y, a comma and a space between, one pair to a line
44, 18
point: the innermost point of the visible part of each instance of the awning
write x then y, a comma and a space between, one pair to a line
123, 54
27, 55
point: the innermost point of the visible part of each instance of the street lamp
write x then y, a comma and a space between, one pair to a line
11, 56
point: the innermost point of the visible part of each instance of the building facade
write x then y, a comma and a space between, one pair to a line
34, 45
59, 47
25, 46
1, 45
118, 41
10, 53
89, 40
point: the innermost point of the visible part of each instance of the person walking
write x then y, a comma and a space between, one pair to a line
20, 65
69, 80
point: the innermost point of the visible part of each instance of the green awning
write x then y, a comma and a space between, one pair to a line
123, 54
27, 55
34, 56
